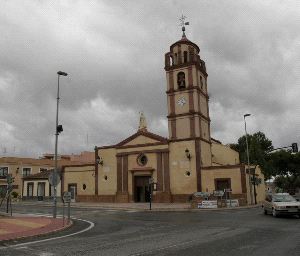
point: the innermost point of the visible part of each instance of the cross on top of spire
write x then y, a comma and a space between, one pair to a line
183, 24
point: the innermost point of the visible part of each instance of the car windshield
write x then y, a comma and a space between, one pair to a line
283, 198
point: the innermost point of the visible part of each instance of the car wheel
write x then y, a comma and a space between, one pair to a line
265, 212
274, 213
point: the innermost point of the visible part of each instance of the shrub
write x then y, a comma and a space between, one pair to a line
14, 194
2, 191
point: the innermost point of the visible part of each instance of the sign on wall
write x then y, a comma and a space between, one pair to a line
232, 203
208, 204
202, 194
219, 193
67, 197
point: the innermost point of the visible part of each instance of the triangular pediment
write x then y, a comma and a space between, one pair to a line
142, 138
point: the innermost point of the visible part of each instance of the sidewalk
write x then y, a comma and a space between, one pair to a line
22, 226
133, 206
115, 206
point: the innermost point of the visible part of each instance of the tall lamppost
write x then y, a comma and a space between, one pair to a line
247, 148
58, 130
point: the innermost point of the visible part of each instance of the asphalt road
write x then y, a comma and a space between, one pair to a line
235, 232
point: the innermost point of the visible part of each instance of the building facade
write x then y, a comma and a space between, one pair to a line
31, 174
188, 161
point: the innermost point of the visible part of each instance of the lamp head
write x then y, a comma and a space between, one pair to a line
187, 154
247, 115
61, 73
99, 160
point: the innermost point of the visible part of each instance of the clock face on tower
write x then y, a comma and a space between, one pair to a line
181, 101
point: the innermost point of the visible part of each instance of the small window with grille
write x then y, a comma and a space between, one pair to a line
3, 171
26, 171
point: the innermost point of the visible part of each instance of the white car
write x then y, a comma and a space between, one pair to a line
281, 204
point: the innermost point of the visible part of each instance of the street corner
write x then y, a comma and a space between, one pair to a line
21, 227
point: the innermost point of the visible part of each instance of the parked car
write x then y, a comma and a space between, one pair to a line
281, 204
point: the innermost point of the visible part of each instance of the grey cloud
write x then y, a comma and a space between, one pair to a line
114, 54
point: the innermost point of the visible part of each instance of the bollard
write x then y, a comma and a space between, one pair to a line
68, 213
63, 214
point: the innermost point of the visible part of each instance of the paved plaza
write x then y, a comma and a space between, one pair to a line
23, 226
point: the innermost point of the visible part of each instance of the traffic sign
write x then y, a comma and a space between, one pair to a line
67, 197
218, 193
9, 187
252, 171
53, 179
201, 194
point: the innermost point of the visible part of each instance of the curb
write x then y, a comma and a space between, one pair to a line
148, 210
4, 214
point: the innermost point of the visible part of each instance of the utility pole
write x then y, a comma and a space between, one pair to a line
247, 148
58, 130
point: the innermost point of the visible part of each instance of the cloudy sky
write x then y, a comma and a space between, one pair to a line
114, 52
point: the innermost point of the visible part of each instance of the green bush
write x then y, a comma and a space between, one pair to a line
14, 194
2, 191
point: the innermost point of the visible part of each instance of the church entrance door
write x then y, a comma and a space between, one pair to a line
141, 189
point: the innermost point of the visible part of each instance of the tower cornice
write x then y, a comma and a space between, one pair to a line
185, 41
190, 113
173, 91
189, 139
188, 64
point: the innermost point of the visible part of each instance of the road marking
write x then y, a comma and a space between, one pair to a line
165, 247
22, 248
46, 254
39, 253
52, 238
217, 234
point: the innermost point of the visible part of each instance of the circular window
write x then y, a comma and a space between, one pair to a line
84, 187
142, 160
188, 173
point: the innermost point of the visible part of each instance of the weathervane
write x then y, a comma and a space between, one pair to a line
183, 24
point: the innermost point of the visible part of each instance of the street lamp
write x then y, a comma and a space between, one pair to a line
58, 130
247, 148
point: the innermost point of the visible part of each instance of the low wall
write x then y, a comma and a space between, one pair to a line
94, 198
43, 198
221, 202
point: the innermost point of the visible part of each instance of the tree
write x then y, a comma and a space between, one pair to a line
285, 166
259, 146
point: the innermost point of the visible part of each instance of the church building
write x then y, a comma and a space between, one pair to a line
188, 161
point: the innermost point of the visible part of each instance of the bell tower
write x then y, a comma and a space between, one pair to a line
188, 113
